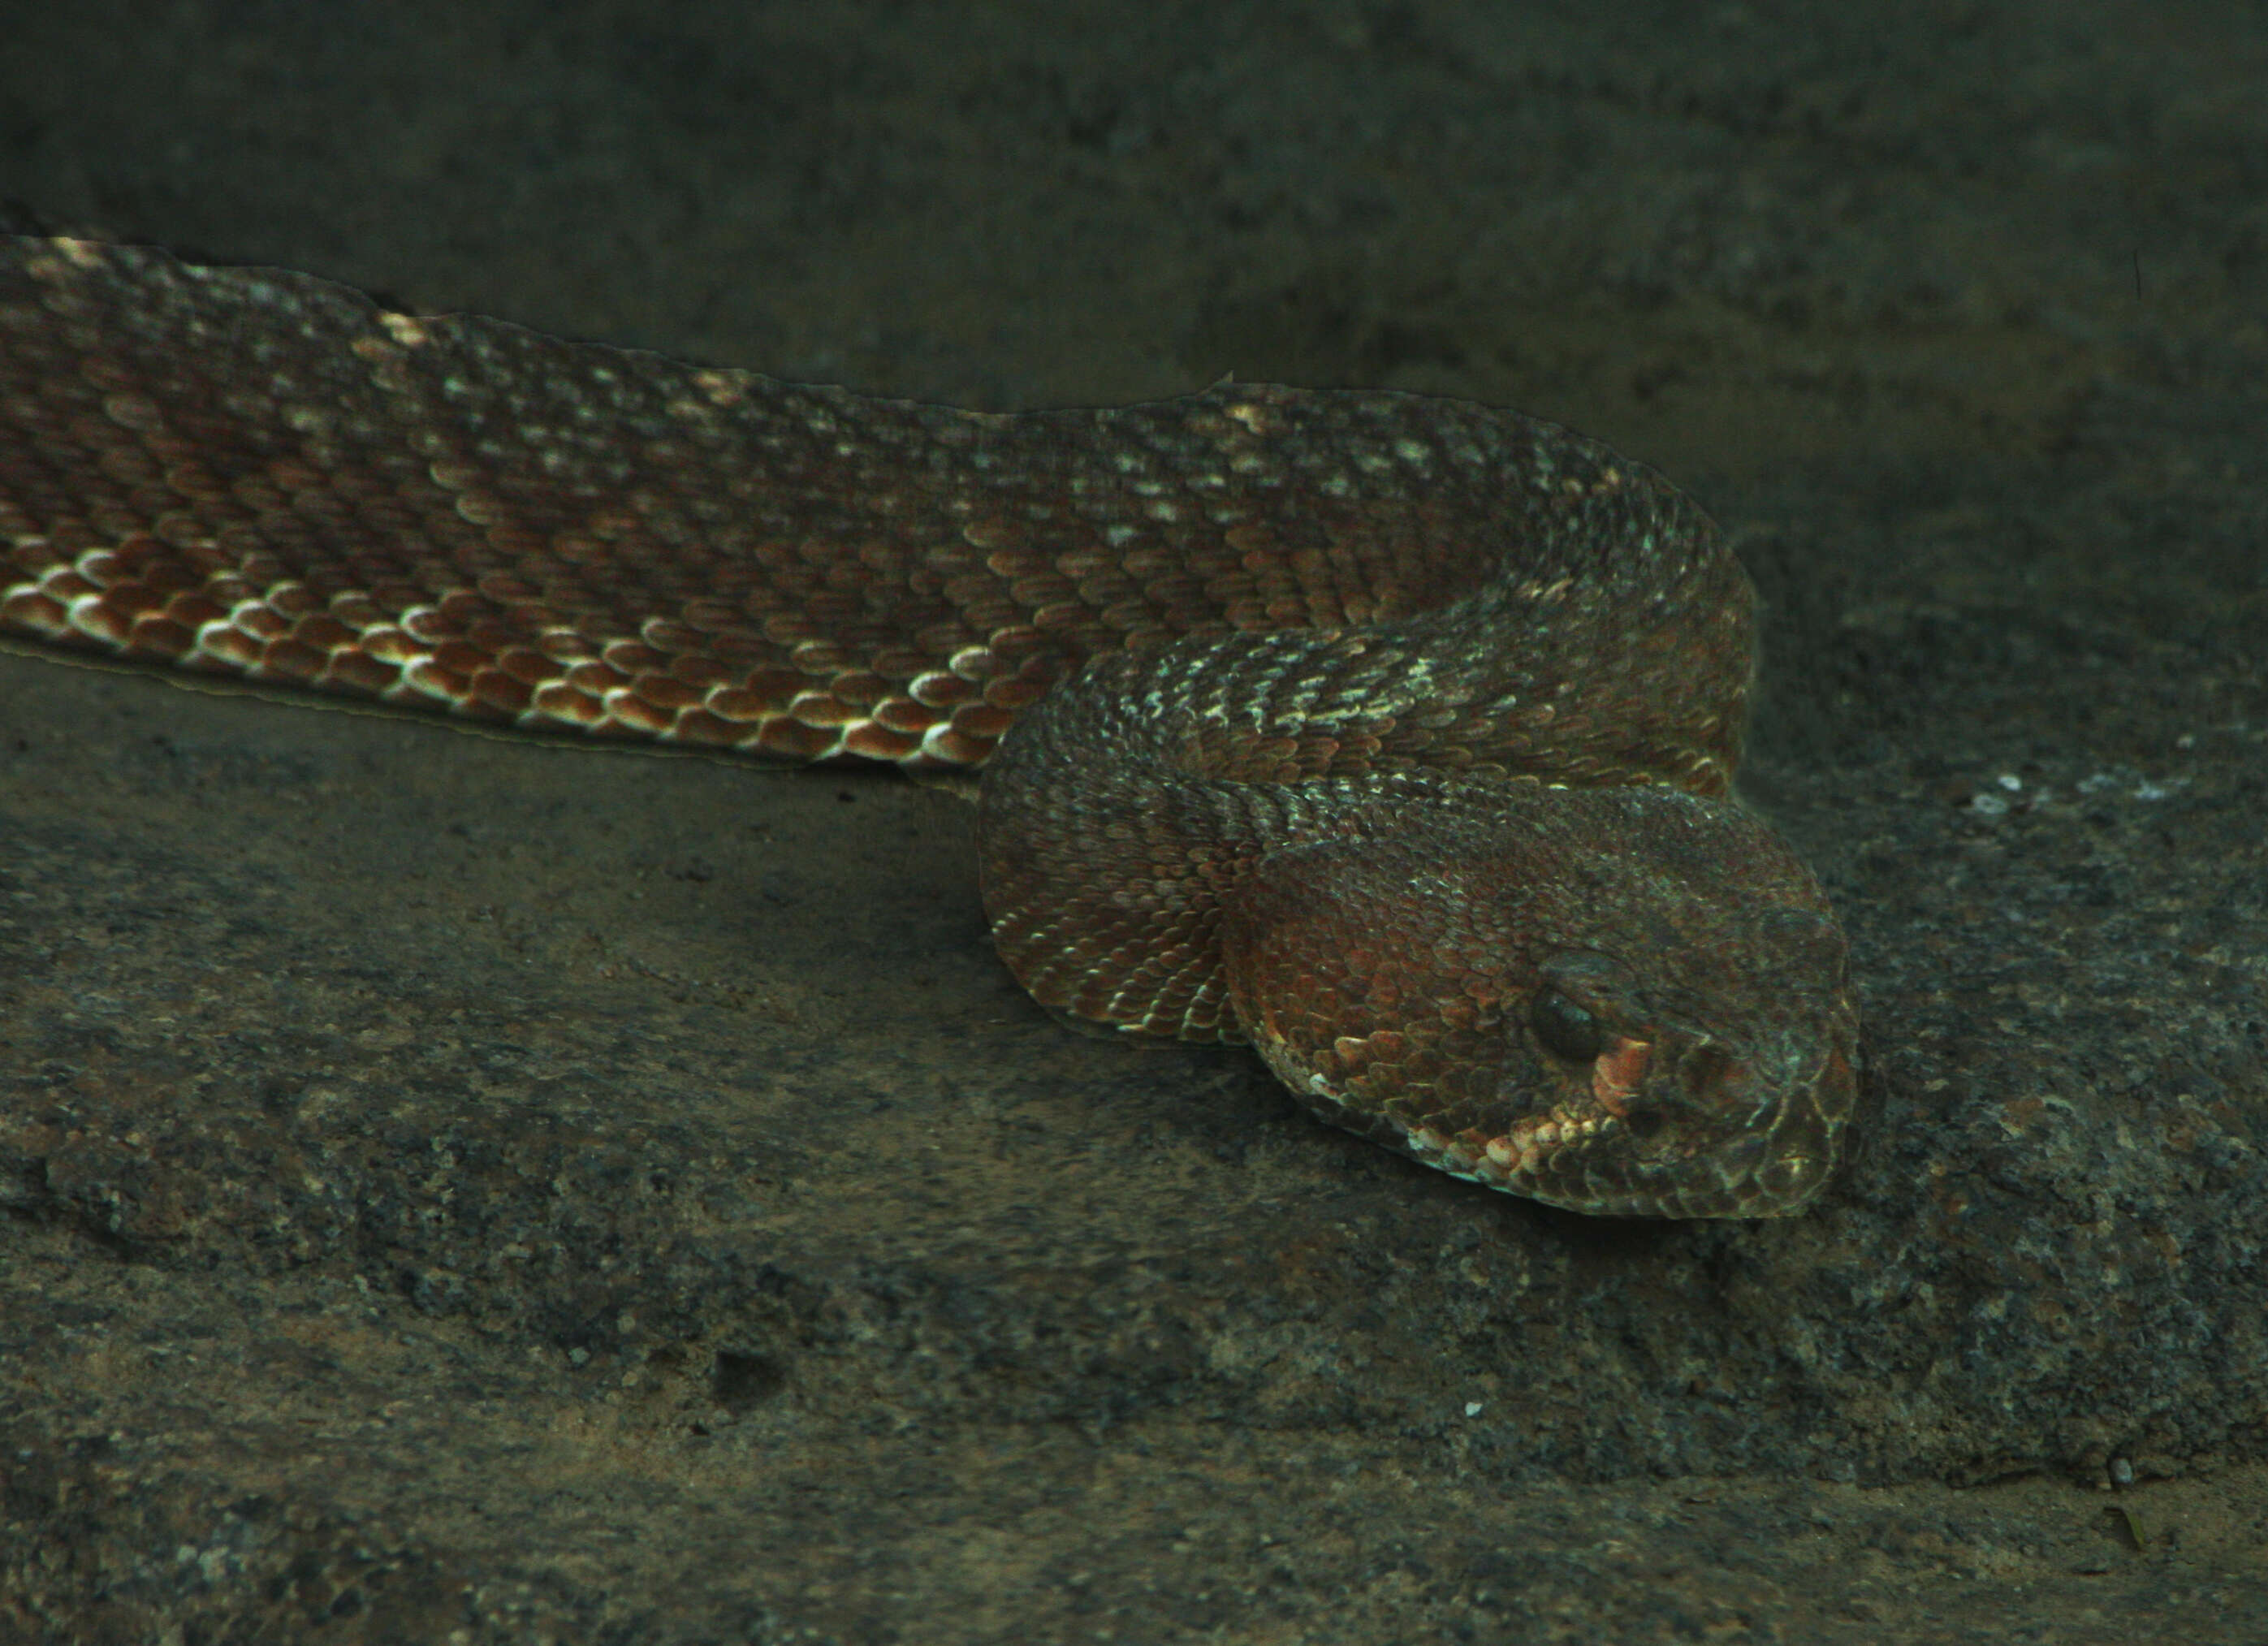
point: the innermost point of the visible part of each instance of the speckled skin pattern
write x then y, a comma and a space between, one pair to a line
1392, 734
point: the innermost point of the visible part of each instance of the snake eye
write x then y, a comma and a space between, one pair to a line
1564, 1028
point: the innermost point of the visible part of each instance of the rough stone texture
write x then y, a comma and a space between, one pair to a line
471, 1185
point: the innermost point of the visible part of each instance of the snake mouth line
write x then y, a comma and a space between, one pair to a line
1518, 1152
1522, 1149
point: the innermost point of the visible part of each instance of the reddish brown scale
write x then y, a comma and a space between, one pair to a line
563, 704
565, 649
665, 692
530, 668
634, 713
861, 690
871, 740
458, 658
441, 685
364, 675
226, 648
790, 740
287, 659
905, 716
986, 721
153, 635
738, 705
631, 657
697, 726
259, 470
941, 690
819, 709
954, 747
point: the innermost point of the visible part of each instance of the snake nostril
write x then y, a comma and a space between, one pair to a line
1705, 1071
1644, 1120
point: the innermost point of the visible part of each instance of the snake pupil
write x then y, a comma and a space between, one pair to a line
1565, 1029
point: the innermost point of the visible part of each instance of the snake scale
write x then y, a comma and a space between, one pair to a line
1391, 735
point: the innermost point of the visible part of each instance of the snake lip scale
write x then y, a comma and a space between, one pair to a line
1390, 735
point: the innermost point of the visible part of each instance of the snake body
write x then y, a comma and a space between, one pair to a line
1388, 734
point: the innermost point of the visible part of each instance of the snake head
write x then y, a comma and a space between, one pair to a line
1623, 1002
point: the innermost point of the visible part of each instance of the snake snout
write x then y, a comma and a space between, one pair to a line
1749, 1085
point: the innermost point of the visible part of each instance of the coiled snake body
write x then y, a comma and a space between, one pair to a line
1388, 734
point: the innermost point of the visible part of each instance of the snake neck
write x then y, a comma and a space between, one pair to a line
1123, 814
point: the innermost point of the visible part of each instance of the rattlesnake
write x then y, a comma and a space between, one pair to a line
1390, 734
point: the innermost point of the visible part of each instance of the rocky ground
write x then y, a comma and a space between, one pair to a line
483, 1189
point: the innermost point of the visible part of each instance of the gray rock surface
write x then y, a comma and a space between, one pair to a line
464, 1188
